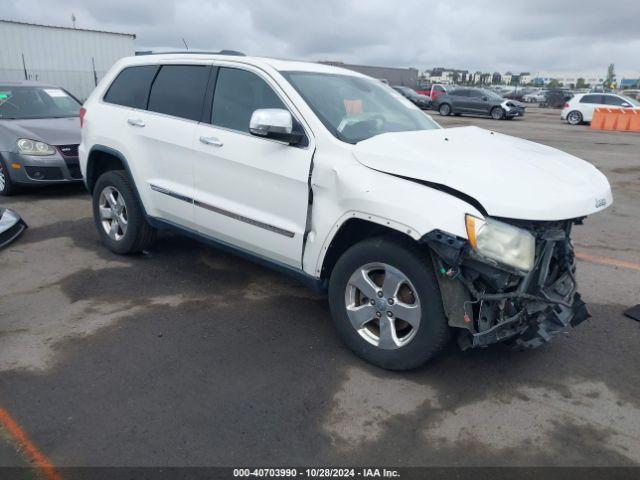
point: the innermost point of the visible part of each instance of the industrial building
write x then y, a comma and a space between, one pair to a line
407, 77
74, 58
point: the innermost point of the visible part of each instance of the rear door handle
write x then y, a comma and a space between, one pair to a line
211, 141
136, 122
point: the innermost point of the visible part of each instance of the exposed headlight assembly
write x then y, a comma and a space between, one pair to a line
33, 147
501, 242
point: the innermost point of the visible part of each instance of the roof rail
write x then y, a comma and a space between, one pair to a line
193, 52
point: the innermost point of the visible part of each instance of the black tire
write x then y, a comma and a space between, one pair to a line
574, 117
444, 109
7, 187
497, 113
139, 234
432, 333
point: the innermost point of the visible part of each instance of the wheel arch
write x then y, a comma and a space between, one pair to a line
103, 159
353, 229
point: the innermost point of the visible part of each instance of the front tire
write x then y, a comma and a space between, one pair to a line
497, 113
386, 304
7, 187
574, 117
444, 110
119, 217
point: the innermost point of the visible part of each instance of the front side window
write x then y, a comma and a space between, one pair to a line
355, 108
597, 99
36, 102
131, 86
178, 90
237, 95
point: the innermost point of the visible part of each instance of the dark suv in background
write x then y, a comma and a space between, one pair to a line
419, 100
477, 101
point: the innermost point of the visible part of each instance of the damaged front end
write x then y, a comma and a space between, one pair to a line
491, 302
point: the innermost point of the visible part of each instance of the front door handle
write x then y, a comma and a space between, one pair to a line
136, 122
211, 141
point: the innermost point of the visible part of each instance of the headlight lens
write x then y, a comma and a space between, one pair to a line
501, 242
33, 147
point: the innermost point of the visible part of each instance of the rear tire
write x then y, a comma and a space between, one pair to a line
7, 187
497, 113
444, 109
119, 217
396, 331
574, 117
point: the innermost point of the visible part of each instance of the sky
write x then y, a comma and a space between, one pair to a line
488, 35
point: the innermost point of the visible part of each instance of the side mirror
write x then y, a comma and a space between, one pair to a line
274, 123
485, 98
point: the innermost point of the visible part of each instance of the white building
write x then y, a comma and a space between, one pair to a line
569, 79
72, 58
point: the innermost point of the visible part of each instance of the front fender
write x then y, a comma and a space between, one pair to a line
356, 191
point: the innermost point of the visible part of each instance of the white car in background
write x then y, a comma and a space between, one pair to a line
581, 107
535, 97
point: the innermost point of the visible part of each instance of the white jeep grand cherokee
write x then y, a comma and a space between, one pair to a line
417, 232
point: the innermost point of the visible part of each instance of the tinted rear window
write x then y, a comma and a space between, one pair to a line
611, 100
131, 86
179, 90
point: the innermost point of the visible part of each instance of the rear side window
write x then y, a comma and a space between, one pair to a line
238, 94
178, 90
131, 86
611, 100
592, 99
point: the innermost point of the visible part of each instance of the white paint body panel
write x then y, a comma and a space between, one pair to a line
509, 176
267, 181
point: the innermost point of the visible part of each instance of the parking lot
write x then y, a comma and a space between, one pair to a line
187, 356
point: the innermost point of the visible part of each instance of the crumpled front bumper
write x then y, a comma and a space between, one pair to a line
491, 304
11, 226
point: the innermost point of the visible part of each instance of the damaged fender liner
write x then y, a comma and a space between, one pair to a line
491, 303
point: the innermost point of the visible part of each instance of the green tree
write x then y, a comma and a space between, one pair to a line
554, 83
610, 82
581, 83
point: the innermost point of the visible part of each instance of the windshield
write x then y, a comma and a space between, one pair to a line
36, 102
356, 108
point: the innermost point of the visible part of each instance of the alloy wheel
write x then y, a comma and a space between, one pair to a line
383, 306
113, 213
574, 118
3, 182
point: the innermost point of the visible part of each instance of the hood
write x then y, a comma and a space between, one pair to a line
54, 131
508, 176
